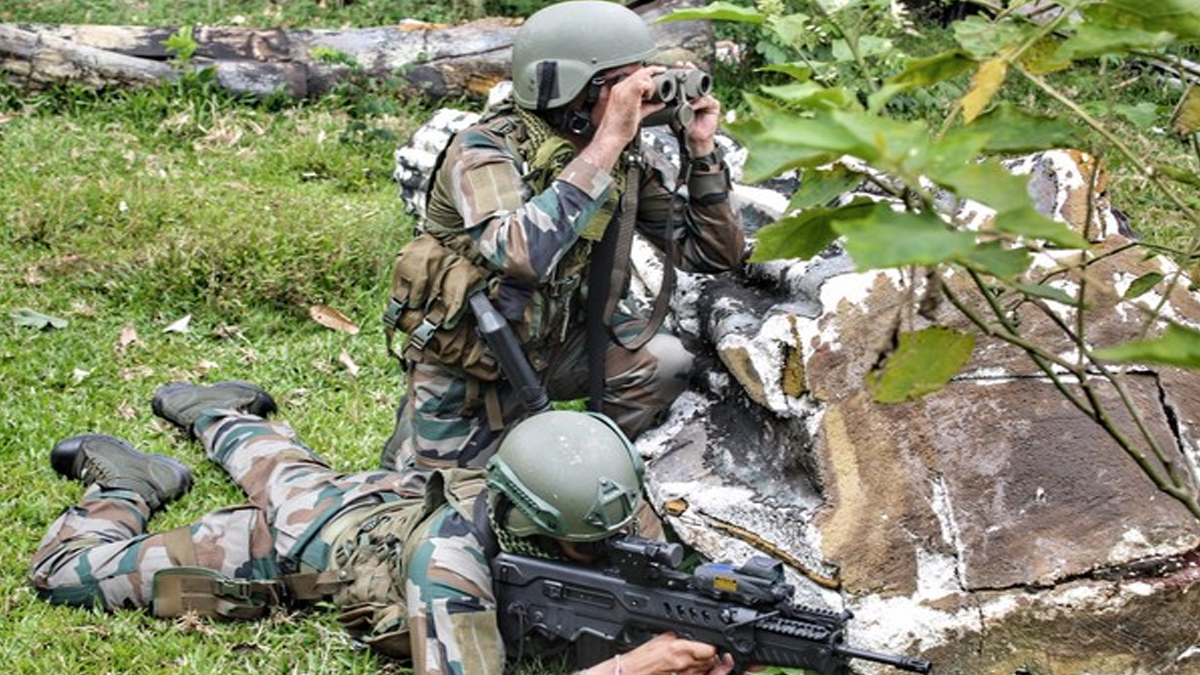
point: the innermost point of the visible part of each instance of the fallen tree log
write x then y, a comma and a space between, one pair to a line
428, 59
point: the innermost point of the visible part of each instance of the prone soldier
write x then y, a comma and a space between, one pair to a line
409, 572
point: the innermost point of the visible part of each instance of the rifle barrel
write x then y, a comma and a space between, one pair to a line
908, 663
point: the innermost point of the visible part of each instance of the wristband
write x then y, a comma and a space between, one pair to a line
713, 161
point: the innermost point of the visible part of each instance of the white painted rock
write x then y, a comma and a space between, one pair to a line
989, 527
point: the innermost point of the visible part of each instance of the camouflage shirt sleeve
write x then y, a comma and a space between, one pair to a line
707, 232
521, 234
451, 604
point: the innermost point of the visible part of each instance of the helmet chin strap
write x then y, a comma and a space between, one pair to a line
578, 121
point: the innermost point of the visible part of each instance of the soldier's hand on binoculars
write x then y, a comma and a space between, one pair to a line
703, 129
628, 101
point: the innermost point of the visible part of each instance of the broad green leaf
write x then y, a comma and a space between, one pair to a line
873, 46
1179, 17
995, 259
1049, 293
991, 184
821, 131
818, 187
767, 158
1185, 120
793, 29
29, 318
984, 39
886, 238
797, 71
923, 362
890, 145
1029, 222
181, 43
922, 73
717, 11
1178, 346
1094, 40
984, 85
811, 95
1010, 129
1043, 56
1142, 285
868, 46
1142, 115
959, 148
802, 236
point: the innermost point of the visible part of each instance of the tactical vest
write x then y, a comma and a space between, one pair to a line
369, 553
441, 267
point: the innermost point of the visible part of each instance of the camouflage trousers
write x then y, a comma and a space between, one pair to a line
437, 429
99, 553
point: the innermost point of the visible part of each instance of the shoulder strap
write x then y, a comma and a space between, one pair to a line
481, 525
605, 291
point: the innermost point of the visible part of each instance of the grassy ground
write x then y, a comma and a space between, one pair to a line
240, 219
124, 214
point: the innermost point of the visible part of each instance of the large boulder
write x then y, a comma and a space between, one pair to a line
991, 526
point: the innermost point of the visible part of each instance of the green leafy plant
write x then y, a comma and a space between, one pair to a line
182, 44
835, 123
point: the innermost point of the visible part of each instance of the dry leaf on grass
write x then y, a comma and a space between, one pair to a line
33, 276
128, 336
331, 318
180, 326
348, 363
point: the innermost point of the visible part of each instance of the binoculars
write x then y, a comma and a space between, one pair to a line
678, 85
676, 88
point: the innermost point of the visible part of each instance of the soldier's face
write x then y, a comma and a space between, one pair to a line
610, 78
575, 553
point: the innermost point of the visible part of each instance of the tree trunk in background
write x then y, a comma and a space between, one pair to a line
428, 59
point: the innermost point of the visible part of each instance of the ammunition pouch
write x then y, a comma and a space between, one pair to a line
197, 590
430, 287
182, 590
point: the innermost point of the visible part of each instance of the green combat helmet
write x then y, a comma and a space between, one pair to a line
569, 475
561, 48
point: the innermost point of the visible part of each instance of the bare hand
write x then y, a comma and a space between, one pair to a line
703, 129
667, 654
628, 103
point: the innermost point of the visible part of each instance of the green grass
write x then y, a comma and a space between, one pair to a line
138, 211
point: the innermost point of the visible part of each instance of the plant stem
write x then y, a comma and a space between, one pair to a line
1146, 169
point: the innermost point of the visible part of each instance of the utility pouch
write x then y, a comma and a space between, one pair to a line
179, 590
430, 287
382, 627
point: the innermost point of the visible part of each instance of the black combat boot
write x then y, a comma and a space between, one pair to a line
183, 403
113, 464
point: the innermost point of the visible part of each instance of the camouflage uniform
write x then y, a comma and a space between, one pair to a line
98, 552
529, 226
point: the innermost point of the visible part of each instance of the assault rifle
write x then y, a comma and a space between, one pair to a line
744, 611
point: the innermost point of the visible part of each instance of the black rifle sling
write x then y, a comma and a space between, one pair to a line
605, 291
